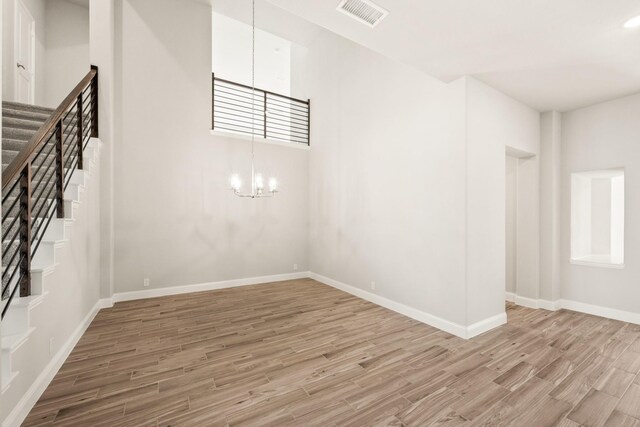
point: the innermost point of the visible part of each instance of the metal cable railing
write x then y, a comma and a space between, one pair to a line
237, 108
33, 184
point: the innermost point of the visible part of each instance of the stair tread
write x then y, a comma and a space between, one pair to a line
28, 301
13, 341
47, 263
7, 381
16, 113
42, 268
14, 122
26, 107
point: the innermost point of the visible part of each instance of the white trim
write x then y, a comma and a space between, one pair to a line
6, 384
29, 399
581, 307
210, 286
527, 302
549, 305
596, 310
106, 303
421, 316
485, 325
265, 141
532, 303
536, 303
437, 322
588, 263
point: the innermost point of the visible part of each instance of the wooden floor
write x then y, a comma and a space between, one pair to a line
301, 353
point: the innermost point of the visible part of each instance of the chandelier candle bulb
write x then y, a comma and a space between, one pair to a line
257, 181
633, 22
235, 182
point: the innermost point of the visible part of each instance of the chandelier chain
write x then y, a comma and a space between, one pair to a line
253, 92
257, 181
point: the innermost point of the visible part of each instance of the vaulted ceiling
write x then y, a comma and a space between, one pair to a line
549, 54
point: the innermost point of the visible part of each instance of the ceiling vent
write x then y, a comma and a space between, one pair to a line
363, 11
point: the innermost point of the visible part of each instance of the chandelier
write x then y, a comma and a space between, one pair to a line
258, 189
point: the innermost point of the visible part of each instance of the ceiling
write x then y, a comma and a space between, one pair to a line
84, 3
269, 18
549, 54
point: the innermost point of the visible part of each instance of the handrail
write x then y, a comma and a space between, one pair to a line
34, 183
24, 156
241, 109
302, 101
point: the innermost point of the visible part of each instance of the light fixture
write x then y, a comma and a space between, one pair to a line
257, 180
633, 22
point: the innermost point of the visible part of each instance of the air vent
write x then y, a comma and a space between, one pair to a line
363, 11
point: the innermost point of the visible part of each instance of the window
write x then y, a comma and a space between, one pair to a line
270, 112
597, 218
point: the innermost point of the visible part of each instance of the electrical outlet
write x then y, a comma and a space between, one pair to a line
51, 346
373, 286
146, 283
295, 267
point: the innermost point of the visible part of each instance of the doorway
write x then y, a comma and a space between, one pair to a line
24, 54
522, 228
511, 226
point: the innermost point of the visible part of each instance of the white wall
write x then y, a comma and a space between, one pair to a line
511, 222
550, 202
601, 216
580, 215
387, 178
1, 89
176, 222
528, 228
67, 49
73, 291
617, 219
495, 122
102, 53
61, 48
7, 49
603, 136
37, 9
232, 50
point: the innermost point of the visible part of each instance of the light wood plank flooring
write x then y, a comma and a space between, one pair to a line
301, 353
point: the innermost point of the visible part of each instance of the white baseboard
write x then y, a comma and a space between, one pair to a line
437, 322
485, 325
29, 399
185, 289
526, 302
531, 302
596, 310
510, 296
421, 316
549, 305
106, 303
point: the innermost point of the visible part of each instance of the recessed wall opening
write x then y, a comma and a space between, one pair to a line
597, 218
521, 227
511, 222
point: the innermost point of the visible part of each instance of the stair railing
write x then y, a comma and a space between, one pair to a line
241, 109
33, 184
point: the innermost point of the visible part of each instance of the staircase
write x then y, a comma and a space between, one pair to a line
47, 156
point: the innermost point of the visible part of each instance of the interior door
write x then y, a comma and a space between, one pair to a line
24, 54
